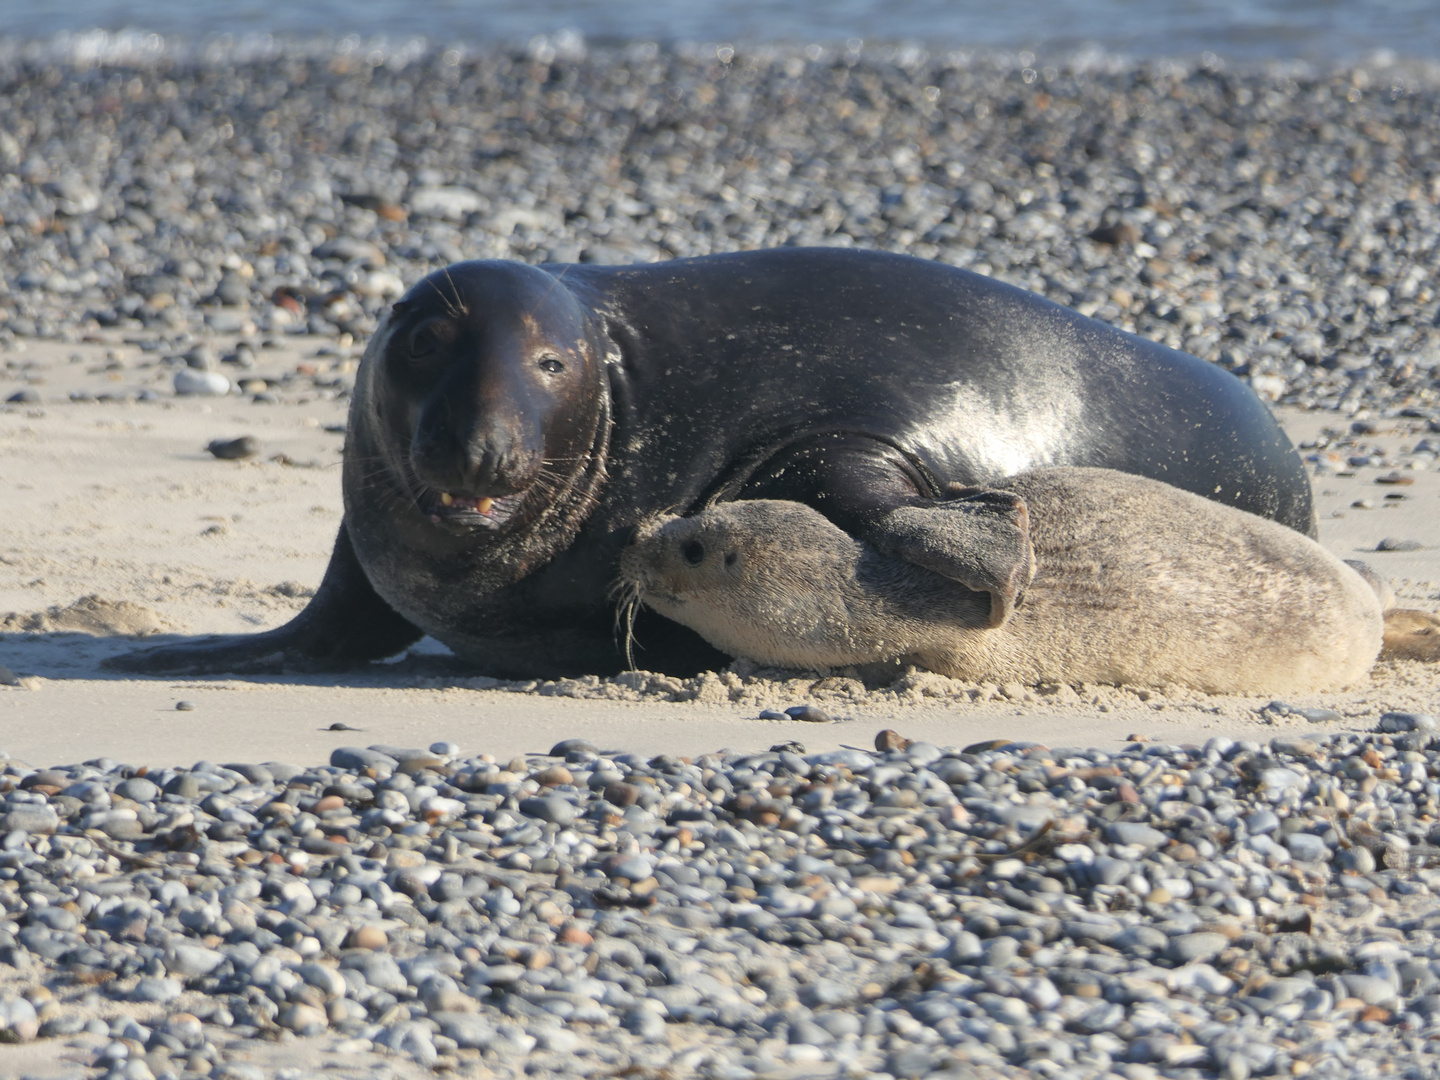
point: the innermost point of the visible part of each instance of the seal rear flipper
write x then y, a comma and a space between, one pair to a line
981, 540
1383, 590
346, 623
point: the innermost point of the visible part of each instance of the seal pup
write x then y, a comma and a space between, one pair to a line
511, 424
1080, 575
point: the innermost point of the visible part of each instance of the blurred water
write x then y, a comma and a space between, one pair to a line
1234, 29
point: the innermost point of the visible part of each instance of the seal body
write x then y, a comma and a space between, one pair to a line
512, 424
1127, 581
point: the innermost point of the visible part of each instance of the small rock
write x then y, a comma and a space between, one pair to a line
211, 383
451, 203
303, 1019
1197, 947
155, 989
809, 714
1393, 722
18, 1019
246, 446
369, 937
355, 758
891, 740
1136, 834
552, 808
1121, 233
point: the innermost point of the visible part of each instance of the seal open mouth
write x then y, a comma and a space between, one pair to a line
485, 511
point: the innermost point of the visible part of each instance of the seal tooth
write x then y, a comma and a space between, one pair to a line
484, 505
446, 499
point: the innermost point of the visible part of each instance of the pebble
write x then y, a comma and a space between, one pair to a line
718, 894
1403, 721
246, 446
209, 383
553, 809
809, 714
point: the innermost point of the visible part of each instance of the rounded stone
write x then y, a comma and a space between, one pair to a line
550, 808
369, 937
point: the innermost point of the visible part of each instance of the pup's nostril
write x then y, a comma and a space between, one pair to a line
693, 552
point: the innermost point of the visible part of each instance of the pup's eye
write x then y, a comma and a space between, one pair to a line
693, 552
551, 363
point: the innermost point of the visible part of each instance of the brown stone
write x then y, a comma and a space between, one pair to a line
554, 776
573, 935
1120, 233
877, 883
368, 937
622, 794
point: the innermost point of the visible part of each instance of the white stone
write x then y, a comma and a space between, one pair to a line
210, 383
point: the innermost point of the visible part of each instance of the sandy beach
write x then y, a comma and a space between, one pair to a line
122, 502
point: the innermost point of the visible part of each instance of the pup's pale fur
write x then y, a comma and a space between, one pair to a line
1134, 582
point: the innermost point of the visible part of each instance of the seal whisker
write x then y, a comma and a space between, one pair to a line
628, 600
454, 310
461, 307
554, 284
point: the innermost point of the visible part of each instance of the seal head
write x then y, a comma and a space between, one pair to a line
479, 430
484, 397
777, 582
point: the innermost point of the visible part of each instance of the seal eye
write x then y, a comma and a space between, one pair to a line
693, 552
430, 337
551, 363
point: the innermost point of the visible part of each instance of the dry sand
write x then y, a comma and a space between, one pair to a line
121, 502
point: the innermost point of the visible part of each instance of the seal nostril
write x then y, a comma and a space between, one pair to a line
693, 552
731, 558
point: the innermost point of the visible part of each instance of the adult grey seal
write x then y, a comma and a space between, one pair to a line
1124, 580
511, 424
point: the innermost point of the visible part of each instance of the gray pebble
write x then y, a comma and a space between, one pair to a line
810, 714
551, 808
151, 989
246, 446
1403, 721
1136, 834
1196, 948
138, 789
356, 758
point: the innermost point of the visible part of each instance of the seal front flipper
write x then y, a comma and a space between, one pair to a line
344, 624
981, 540
976, 536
